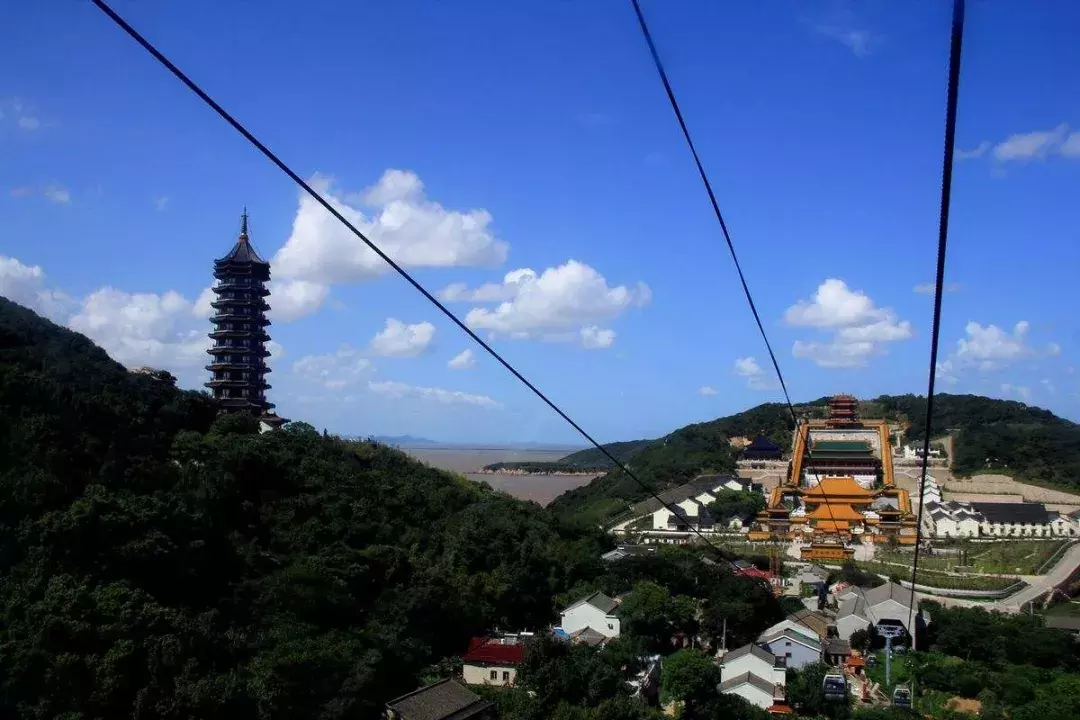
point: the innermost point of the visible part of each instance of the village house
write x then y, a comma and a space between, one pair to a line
595, 612
492, 661
754, 674
798, 647
445, 700
860, 608
804, 621
683, 511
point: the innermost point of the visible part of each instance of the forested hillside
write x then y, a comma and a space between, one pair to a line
159, 563
673, 459
991, 435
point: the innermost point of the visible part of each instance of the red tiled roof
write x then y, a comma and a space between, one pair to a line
754, 573
780, 709
489, 650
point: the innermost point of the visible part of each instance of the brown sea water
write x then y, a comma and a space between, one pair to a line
538, 488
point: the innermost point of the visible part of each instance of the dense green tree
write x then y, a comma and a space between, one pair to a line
805, 693
686, 672
159, 562
736, 504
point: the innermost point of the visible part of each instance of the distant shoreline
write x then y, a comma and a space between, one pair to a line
538, 473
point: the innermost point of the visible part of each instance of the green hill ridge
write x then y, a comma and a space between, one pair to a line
993, 436
160, 562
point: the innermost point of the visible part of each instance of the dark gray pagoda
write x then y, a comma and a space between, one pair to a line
238, 365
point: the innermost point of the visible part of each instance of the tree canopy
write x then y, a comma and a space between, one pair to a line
160, 562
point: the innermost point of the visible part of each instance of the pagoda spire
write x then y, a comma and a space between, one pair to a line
243, 225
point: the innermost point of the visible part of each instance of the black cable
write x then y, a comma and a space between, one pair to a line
731, 248
179, 74
953, 94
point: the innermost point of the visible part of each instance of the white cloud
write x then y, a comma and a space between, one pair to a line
753, 373
1071, 147
860, 329
293, 299
334, 371
857, 40
144, 328
29, 122
706, 390
1046, 383
946, 372
400, 340
25, 284
991, 347
400, 390
57, 194
546, 306
1033, 145
594, 338
411, 229
463, 360
164, 331
1053, 349
974, 153
160, 203
1021, 391
512, 282
929, 288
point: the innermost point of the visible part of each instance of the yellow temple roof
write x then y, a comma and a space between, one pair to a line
830, 511
835, 488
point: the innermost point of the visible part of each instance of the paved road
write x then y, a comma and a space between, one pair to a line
1041, 583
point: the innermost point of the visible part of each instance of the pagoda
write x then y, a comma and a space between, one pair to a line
238, 366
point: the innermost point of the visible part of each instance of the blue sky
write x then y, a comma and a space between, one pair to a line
476, 139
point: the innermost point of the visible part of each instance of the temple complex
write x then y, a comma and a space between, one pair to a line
840, 488
238, 356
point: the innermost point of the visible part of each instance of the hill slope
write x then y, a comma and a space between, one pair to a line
157, 562
991, 435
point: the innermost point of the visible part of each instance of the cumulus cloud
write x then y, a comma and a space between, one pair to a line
859, 328
706, 390
399, 390
398, 217
463, 360
334, 371
547, 306
594, 338
160, 203
400, 340
29, 122
748, 369
25, 284
1053, 349
293, 299
165, 331
144, 328
991, 347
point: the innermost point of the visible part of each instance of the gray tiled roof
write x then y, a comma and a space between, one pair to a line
598, 600
747, 678
441, 701
756, 651
1021, 512
704, 483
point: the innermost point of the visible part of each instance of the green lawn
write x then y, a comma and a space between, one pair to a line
1022, 557
932, 578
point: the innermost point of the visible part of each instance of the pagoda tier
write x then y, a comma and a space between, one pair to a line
238, 356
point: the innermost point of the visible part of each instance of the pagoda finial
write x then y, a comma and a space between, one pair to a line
243, 224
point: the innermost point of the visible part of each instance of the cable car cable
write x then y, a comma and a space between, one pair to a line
270, 155
952, 98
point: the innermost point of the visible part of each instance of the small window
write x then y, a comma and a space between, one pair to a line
494, 674
506, 676
610, 626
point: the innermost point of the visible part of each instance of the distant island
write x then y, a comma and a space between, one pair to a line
556, 467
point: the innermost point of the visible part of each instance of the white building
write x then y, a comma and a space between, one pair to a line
912, 452
595, 612
953, 519
492, 661
754, 674
798, 646
684, 509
